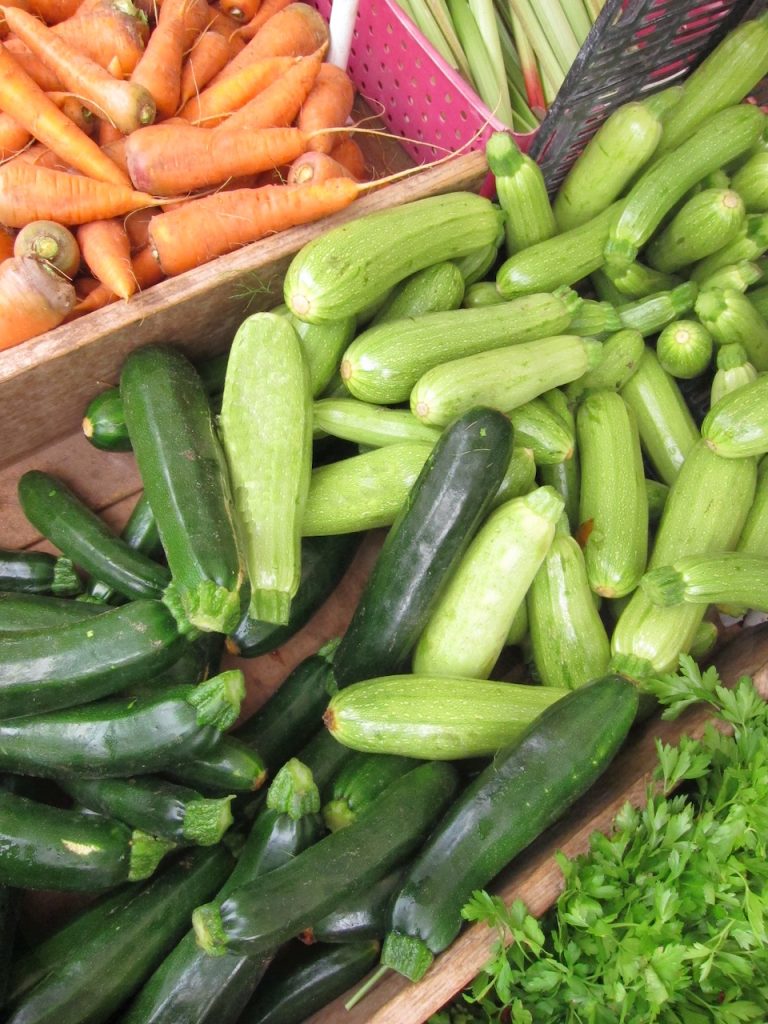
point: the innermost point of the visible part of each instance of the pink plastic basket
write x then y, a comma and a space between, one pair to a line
405, 81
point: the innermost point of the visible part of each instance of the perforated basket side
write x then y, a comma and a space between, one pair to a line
408, 83
635, 48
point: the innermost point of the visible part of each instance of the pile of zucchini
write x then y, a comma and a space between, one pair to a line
558, 412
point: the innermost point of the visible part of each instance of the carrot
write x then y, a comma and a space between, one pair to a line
107, 133
264, 13
54, 11
221, 223
240, 10
328, 105
226, 27
30, 192
6, 244
349, 155
40, 156
111, 29
222, 98
75, 111
33, 66
279, 104
13, 136
159, 69
206, 58
136, 226
32, 300
146, 270
174, 159
51, 243
12, 3
295, 31
30, 106
95, 295
315, 167
126, 104
106, 252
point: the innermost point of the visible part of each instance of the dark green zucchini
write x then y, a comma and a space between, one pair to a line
185, 479
155, 806
230, 767
258, 917
126, 736
528, 786
364, 917
359, 783
86, 971
85, 538
139, 533
325, 757
37, 572
44, 669
302, 981
445, 506
43, 847
20, 613
324, 560
191, 986
198, 660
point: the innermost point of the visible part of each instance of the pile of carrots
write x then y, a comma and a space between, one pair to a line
138, 142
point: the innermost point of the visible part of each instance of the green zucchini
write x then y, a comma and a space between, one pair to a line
363, 917
468, 627
321, 346
191, 986
667, 430
476, 265
546, 434
435, 716
593, 319
704, 512
156, 806
620, 357
357, 785
726, 76
565, 478
736, 275
482, 293
529, 785
759, 299
734, 370
656, 494
569, 643
445, 507
521, 192
20, 612
503, 378
684, 348
168, 417
383, 363
139, 533
44, 847
268, 448
364, 423
325, 758
199, 659
86, 539
751, 183
613, 502
564, 259
257, 917
123, 737
652, 313
324, 560
660, 102
737, 426
519, 479
621, 146
636, 281
720, 138
37, 572
705, 640
707, 222
232, 766
43, 669
750, 244
343, 270
88, 969
435, 288
302, 981
725, 577
605, 289
364, 491
753, 539
731, 317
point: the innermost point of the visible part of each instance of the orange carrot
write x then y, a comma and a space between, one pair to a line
107, 133
33, 66
51, 243
240, 10
30, 192
12, 3
145, 268
159, 69
227, 27
115, 150
29, 105
221, 223
95, 295
13, 136
107, 31
126, 104
295, 31
279, 104
169, 160
6, 244
314, 167
229, 94
264, 13
107, 254
32, 300
206, 58
136, 226
40, 156
350, 155
328, 105
54, 11
75, 111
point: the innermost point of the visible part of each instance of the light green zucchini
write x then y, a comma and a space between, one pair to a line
653, 312
620, 357
365, 423
322, 346
750, 244
751, 183
482, 293
737, 426
636, 281
521, 192
707, 222
730, 317
684, 348
736, 275
520, 477
724, 577
435, 288
734, 370
546, 434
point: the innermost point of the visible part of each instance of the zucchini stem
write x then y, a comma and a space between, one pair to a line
293, 791
206, 821
218, 700
146, 853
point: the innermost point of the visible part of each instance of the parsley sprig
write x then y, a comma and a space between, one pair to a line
666, 919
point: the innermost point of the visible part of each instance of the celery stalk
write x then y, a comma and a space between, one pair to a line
486, 23
477, 55
534, 87
425, 22
558, 31
551, 73
443, 19
577, 18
